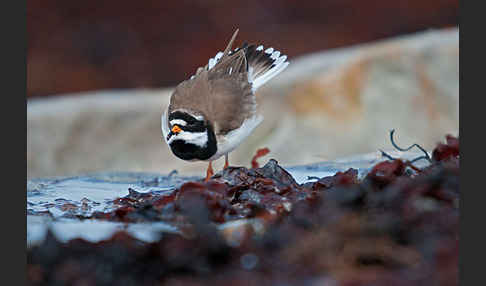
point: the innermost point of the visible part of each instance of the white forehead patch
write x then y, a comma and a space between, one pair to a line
180, 122
197, 117
197, 138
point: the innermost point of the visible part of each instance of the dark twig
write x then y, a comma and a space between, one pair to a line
426, 156
420, 158
410, 164
313, 178
384, 154
407, 163
172, 173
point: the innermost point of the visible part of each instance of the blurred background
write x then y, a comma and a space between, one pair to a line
90, 45
99, 74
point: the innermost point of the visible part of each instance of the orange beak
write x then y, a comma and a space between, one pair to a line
176, 129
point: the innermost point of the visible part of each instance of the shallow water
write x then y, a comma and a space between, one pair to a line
84, 195
56, 203
92, 230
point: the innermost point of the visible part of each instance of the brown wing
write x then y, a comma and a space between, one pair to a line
192, 95
232, 102
226, 100
221, 94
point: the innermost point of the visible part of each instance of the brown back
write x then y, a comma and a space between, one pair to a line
222, 94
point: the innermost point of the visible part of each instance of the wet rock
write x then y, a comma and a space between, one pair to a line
350, 177
448, 150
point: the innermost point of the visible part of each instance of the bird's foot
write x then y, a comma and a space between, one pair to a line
226, 163
209, 172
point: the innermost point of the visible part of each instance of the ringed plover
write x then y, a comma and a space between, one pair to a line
213, 112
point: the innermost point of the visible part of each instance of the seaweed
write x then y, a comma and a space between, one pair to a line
389, 228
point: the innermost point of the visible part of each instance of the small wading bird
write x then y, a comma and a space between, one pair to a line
211, 113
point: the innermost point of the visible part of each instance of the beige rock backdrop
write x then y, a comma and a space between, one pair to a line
325, 106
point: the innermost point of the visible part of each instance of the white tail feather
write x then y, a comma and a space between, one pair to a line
280, 64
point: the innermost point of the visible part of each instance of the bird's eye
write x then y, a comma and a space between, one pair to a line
191, 121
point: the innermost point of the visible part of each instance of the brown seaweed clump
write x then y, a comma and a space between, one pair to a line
396, 226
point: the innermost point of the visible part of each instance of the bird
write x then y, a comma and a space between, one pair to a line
214, 111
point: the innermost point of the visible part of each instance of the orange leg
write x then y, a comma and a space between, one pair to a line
209, 172
226, 163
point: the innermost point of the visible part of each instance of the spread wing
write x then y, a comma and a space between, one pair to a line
223, 90
222, 95
262, 64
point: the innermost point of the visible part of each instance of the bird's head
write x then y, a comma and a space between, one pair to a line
190, 136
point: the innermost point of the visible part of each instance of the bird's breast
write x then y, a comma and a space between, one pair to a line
191, 146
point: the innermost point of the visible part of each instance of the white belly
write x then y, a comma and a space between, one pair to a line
233, 139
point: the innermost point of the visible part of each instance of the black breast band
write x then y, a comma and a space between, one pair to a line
188, 151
